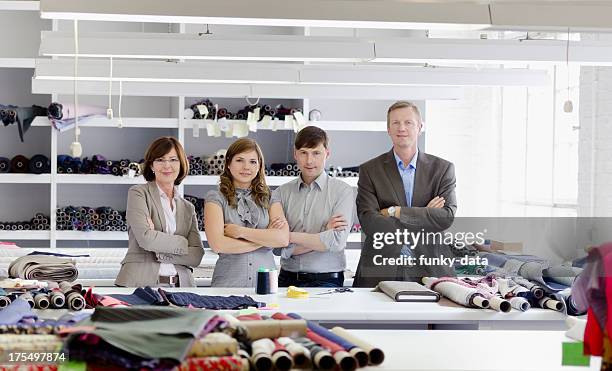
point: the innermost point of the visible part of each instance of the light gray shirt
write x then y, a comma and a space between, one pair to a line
240, 270
308, 208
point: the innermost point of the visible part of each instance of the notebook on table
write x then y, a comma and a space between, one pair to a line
407, 291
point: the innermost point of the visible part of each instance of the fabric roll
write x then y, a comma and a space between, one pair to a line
214, 344
360, 355
43, 268
5, 165
19, 164
321, 357
455, 291
227, 363
74, 299
376, 356
299, 353
342, 357
58, 300
519, 303
4, 299
280, 357
570, 304
273, 328
261, 355
41, 300
549, 303
39, 164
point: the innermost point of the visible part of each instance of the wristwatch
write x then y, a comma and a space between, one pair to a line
391, 211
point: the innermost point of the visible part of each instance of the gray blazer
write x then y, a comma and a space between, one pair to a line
380, 186
148, 248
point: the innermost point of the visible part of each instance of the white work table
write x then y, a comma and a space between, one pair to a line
470, 350
366, 309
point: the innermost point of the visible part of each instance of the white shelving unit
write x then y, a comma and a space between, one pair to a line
150, 118
8, 178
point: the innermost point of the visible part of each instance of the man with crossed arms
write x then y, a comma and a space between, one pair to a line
319, 210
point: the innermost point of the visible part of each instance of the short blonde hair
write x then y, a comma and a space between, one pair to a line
403, 104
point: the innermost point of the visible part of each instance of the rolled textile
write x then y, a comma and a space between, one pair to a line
570, 304
360, 355
4, 300
261, 356
74, 299
538, 292
19, 164
548, 303
345, 360
281, 358
489, 288
58, 300
299, 353
226, 363
214, 344
321, 357
460, 294
375, 355
39, 164
519, 303
274, 328
5, 165
43, 268
41, 300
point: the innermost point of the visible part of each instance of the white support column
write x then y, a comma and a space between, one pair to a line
53, 181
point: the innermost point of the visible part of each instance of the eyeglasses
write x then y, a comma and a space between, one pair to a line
161, 161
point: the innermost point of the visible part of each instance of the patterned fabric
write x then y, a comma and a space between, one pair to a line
228, 363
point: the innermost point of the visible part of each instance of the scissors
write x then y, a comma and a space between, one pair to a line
339, 289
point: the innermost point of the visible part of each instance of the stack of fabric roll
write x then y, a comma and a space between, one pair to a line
346, 172
37, 164
216, 162
205, 109
198, 203
166, 338
83, 218
98, 165
500, 294
40, 222
197, 165
283, 169
41, 294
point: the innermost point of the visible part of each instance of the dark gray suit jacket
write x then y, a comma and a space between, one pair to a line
380, 186
148, 248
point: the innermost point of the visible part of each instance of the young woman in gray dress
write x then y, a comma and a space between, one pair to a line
238, 218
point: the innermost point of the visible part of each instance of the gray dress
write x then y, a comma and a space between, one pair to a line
240, 270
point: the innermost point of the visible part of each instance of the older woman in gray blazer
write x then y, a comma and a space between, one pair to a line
164, 241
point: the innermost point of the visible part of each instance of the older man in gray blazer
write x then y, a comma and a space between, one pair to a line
403, 190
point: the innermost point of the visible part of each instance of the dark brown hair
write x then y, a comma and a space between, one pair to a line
159, 148
259, 188
403, 104
310, 137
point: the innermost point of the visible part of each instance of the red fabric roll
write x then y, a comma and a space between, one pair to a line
227, 363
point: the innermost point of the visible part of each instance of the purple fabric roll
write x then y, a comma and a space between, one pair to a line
320, 330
